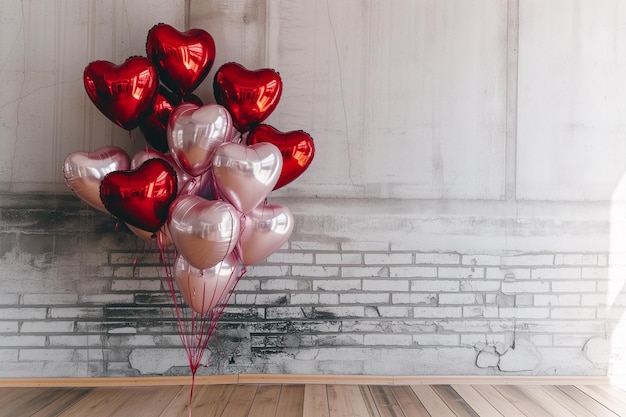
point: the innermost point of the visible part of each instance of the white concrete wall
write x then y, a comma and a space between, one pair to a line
460, 136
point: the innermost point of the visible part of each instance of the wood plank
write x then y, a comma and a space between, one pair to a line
476, 401
566, 401
408, 401
146, 401
385, 401
368, 399
62, 402
212, 398
240, 401
346, 401
315, 401
29, 401
431, 401
617, 393
265, 401
291, 401
586, 401
498, 401
456, 403
605, 398
99, 402
522, 401
547, 402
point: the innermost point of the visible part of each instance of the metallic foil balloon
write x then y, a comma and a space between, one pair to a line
183, 59
193, 134
140, 197
296, 147
182, 178
83, 172
154, 125
245, 175
205, 289
249, 96
122, 93
267, 228
204, 232
161, 234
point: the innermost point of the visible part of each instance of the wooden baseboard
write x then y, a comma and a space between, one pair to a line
305, 379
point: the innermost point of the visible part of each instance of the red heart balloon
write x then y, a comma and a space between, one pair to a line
183, 59
249, 96
123, 93
296, 147
154, 125
140, 197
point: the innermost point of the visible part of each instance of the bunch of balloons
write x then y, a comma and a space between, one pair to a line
203, 185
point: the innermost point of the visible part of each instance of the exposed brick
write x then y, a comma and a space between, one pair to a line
343, 311
364, 272
573, 313
49, 299
573, 286
413, 272
290, 258
387, 258
461, 272
336, 285
557, 299
315, 271
555, 273
479, 285
480, 311
14, 341
480, 260
22, 313
338, 259
388, 339
436, 339
439, 312
364, 298
524, 312
576, 259
8, 327
385, 285
435, 286
50, 326
524, 287
136, 285
437, 258
508, 274
283, 284
267, 271
523, 260
414, 298
459, 299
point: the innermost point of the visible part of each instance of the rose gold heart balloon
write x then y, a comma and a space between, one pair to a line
267, 228
206, 289
245, 175
162, 234
84, 171
204, 232
193, 134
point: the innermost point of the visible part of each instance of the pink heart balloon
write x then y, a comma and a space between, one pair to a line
193, 134
267, 228
205, 289
162, 234
245, 175
204, 232
84, 171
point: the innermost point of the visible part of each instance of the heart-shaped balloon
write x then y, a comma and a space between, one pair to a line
267, 228
140, 197
205, 289
84, 171
142, 156
162, 235
296, 148
154, 125
123, 93
249, 96
193, 134
204, 232
183, 59
245, 175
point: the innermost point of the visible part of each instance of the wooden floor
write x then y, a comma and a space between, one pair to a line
317, 400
